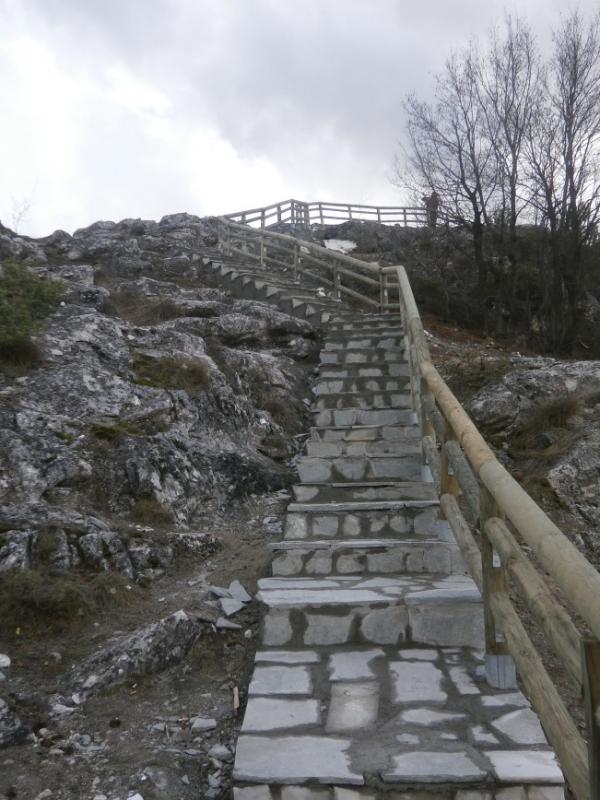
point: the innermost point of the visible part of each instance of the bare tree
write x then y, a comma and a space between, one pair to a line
20, 209
449, 153
564, 157
508, 82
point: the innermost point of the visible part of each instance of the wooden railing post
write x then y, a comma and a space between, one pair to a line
500, 669
296, 259
590, 660
262, 251
423, 393
321, 213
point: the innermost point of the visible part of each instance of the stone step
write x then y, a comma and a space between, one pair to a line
359, 468
361, 385
381, 447
423, 609
363, 492
371, 400
369, 355
349, 417
357, 318
354, 342
383, 329
366, 433
384, 369
366, 557
381, 722
360, 327
396, 520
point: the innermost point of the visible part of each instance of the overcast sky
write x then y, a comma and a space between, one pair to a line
139, 108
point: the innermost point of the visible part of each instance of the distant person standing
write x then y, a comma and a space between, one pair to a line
432, 203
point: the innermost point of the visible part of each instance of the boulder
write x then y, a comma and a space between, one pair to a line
146, 651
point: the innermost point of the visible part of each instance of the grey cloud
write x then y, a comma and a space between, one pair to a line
315, 88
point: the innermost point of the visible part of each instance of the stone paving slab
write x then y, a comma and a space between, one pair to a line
369, 355
372, 400
358, 557
384, 341
316, 792
349, 417
392, 369
381, 448
355, 492
359, 468
359, 385
287, 759
399, 716
362, 521
362, 325
366, 433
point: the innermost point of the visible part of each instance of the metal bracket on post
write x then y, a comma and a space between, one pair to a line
500, 670
336, 283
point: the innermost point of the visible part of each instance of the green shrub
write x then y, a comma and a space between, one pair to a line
25, 301
189, 374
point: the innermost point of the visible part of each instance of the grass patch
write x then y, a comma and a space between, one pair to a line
140, 310
189, 374
25, 301
116, 432
545, 435
148, 511
548, 416
34, 601
69, 438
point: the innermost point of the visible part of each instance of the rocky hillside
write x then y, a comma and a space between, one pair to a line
149, 401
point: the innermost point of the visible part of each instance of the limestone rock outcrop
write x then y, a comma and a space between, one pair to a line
157, 399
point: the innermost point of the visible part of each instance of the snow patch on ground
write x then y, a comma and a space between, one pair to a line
340, 245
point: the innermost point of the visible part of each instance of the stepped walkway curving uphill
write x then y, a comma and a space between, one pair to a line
369, 681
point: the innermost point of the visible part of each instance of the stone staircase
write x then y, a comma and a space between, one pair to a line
369, 681
279, 287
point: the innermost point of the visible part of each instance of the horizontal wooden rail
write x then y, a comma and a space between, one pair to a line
298, 212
